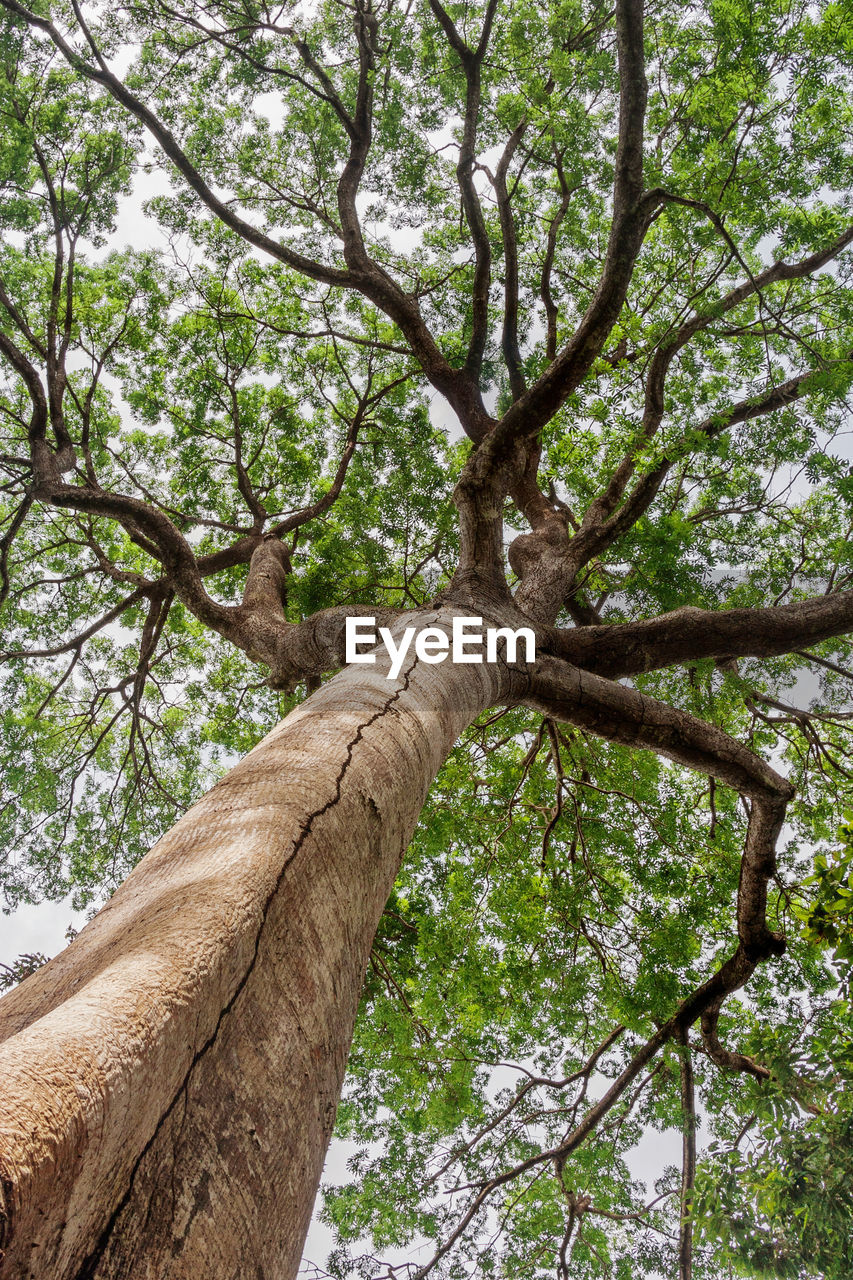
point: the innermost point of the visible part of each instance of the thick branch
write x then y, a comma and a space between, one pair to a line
31, 380
509, 454
361, 133
547, 566
548, 573
15, 523
723, 1057
621, 714
631, 215
472, 61
509, 336
368, 278
690, 634
152, 529
266, 586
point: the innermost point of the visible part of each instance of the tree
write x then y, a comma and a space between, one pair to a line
616, 245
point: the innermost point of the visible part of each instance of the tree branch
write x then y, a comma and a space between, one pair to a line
723, 1057
595, 534
631, 216
365, 276
688, 1158
623, 715
360, 130
690, 634
551, 310
653, 411
472, 61
509, 335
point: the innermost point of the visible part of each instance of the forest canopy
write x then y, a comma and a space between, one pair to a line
542, 311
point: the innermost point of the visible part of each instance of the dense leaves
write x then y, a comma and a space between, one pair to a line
511, 951
563, 894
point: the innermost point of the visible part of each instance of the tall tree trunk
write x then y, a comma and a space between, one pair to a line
169, 1082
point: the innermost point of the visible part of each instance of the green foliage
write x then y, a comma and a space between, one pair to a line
828, 917
781, 1207
20, 968
95, 762
560, 893
510, 949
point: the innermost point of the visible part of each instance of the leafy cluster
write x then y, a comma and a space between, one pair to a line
563, 893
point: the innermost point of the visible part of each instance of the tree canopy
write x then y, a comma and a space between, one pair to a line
543, 308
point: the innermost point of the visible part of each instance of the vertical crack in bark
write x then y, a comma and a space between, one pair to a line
88, 1268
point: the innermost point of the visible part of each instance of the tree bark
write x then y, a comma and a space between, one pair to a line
170, 1080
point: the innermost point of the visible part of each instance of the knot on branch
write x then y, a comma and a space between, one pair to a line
547, 544
760, 943
266, 585
65, 458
